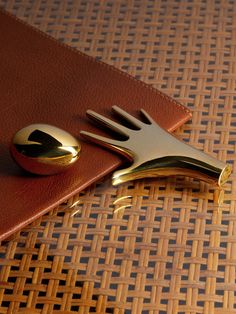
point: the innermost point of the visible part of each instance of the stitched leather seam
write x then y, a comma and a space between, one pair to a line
92, 59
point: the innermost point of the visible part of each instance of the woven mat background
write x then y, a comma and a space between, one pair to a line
167, 247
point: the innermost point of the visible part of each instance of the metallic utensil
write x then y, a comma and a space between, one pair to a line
44, 149
155, 152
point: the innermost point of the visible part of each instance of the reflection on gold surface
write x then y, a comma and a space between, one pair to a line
73, 206
221, 197
44, 149
122, 207
75, 203
75, 212
121, 199
155, 152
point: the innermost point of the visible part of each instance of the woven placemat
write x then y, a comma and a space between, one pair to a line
150, 246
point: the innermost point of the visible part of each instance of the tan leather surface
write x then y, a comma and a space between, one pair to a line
43, 81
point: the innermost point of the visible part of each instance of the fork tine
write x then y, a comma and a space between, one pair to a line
120, 129
119, 146
148, 117
99, 138
135, 122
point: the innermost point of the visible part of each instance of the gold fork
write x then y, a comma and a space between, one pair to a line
155, 152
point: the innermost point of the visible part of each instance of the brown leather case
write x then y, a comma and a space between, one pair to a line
44, 81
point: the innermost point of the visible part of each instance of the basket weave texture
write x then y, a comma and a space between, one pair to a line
150, 246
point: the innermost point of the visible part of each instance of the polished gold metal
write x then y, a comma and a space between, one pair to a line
155, 152
44, 149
